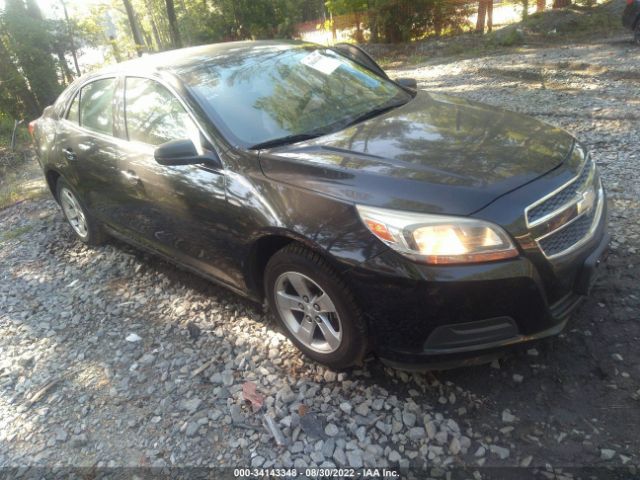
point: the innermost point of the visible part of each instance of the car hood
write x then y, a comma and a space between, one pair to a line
435, 154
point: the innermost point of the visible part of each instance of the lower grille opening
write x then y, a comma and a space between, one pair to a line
461, 336
568, 236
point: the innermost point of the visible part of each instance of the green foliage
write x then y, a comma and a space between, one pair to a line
29, 72
507, 37
405, 20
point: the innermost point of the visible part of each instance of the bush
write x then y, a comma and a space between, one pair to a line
506, 37
6, 130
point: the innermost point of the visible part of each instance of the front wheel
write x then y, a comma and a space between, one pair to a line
86, 228
315, 307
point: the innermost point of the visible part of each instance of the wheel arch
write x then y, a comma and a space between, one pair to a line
52, 177
265, 246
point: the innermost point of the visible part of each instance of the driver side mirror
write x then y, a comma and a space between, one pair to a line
183, 152
411, 83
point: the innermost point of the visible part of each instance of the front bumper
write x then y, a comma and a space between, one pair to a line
424, 316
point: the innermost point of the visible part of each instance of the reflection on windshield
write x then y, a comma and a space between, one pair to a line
266, 94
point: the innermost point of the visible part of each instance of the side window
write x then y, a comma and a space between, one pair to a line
96, 105
153, 114
73, 115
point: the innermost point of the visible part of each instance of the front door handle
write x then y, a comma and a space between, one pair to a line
131, 177
69, 154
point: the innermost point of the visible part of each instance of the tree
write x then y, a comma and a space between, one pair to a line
540, 5
27, 42
173, 24
561, 3
135, 28
483, 10
401, 20
70, 29
16, 98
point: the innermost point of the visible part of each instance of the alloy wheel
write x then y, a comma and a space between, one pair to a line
73, 211
308, 312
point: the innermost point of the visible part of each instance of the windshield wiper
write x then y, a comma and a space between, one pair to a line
299, 137
373, 113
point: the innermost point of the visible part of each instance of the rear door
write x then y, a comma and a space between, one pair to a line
179, 210
88, 147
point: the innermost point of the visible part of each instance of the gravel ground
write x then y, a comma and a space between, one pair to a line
110, 357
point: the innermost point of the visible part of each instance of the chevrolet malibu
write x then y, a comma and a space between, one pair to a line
369, 216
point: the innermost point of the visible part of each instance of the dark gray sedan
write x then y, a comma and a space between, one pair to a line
369, 215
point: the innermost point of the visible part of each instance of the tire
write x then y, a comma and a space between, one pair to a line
336, 314
84, 226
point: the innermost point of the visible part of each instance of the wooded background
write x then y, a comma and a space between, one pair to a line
43, 51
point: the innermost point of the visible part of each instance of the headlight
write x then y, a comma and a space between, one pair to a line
438, 239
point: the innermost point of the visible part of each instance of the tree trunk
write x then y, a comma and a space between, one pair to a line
64, 67
114, 49
187, 32
372, 15
135, 30
540, 5
561, 3
437, 19
490, 16
173, 24
482, 13
156, 34
334, 33
154, 26
74, 53
525, 9
359, 34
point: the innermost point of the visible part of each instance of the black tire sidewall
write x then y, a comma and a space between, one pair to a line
354, 340
94, 234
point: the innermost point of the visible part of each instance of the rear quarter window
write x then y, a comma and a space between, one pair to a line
73, 115
96, 105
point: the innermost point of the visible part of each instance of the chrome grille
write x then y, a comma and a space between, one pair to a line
562, 198
568, 236
567, 218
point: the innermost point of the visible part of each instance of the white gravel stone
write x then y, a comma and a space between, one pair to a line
346, 407
501, 452
331, 430
508, 417
607, 453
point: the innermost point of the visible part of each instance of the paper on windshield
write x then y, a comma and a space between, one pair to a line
319, 62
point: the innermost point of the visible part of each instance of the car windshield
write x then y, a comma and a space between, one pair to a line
282, 94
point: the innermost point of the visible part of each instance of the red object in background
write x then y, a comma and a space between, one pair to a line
32, 128
629, 2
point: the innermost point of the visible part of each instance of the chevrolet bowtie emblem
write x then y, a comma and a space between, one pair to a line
586, 202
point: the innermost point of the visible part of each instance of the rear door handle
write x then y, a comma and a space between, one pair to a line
69, 154
131, 177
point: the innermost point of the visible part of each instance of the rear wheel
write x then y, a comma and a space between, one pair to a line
86, 228
315, 307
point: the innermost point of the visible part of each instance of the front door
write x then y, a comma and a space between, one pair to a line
179, 210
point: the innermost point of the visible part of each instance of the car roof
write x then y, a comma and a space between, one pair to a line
174, 60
